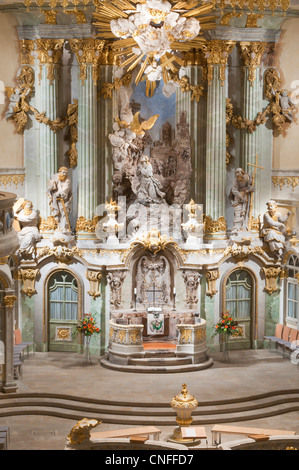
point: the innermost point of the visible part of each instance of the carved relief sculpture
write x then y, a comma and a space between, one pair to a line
239, 197
274, 231
153, 280
60, 195
192, 280
28, 232
115, 279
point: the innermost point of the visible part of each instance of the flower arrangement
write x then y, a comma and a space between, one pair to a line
87, 326
226, 325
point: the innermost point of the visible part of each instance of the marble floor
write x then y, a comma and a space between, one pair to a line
249, 373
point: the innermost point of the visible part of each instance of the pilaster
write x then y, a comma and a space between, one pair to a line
251, 54
216, 54
88, 53
49, 53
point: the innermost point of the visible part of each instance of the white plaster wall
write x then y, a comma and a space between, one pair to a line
285, 155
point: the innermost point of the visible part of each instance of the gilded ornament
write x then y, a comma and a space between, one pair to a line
26, 48
28, 277
49, 52
87, 225
48, 225
281, 181
88, 52
63, 334
81, 431
108, 88
154, 242
50, 16
6, 180
214, 226
251, 54
9, 300
271, 274
216, 54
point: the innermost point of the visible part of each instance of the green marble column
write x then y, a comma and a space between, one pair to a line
88, 54
251, 54
216, 53
107, 111
49, 53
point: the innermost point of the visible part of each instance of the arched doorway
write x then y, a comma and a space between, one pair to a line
64, 310
239, 288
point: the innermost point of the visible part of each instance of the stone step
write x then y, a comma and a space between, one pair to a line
159, 369
160, 361
159, 353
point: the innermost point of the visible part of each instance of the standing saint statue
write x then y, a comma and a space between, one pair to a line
28, 232
274, 231
60, 194
240, 196
149, 189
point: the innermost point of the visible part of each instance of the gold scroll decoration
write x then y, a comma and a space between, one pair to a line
271, 274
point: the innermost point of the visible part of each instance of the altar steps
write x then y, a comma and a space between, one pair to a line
157, 365
160, 361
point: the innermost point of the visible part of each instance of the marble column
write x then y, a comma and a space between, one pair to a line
9, 384
216, 54
251, 54
88, 53
49, 53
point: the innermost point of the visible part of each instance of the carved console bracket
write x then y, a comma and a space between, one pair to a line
94, 278
271, 274
28, 278
212, 277
192, 279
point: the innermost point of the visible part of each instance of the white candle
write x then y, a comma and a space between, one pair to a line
135, 291
174, 290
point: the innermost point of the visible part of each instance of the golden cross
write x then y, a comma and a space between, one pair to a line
256, 166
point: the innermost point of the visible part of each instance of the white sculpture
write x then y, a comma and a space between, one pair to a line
274, 231
60, 194
240, 196
148, 190
154, 27
27, 219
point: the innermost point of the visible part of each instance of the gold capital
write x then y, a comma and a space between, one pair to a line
216, 53
88, 52
251, 54
49, 52
26, 46
9, 300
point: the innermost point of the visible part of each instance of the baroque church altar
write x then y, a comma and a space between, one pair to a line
148, 198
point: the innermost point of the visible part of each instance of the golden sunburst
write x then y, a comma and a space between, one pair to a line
149, 34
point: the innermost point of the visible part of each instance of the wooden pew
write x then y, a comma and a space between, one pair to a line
129, 432
219, 429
